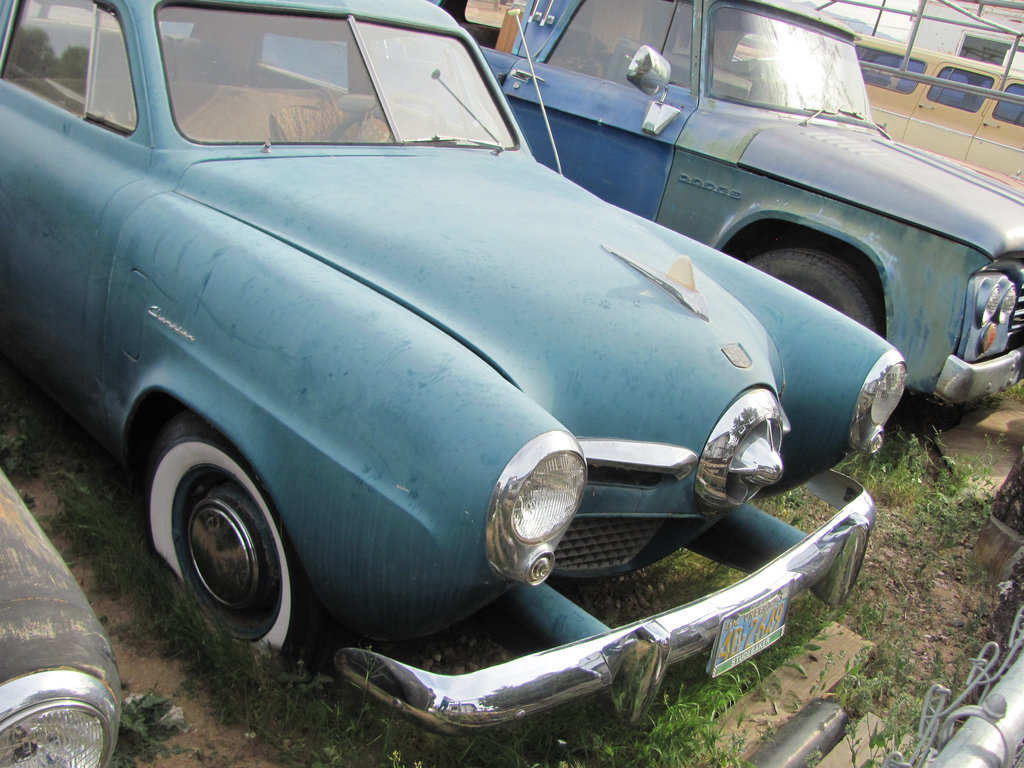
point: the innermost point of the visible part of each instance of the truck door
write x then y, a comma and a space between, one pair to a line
596, 115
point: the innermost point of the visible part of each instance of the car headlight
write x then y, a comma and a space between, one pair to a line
992, 301
742, 454
879, 396
533, 503
57, 717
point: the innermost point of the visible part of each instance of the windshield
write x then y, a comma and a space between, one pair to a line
774, 63
244, 77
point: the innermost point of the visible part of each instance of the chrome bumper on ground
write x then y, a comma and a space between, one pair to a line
631, 660
960, 381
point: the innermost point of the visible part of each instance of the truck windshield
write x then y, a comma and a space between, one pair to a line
243, 77
774, 63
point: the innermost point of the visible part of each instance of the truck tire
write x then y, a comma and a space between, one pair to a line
828, 279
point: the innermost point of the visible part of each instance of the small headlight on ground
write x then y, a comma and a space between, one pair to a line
534, 501
61, 733
57, 717
879, 396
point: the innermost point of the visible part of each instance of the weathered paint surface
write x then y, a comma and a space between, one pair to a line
45, 620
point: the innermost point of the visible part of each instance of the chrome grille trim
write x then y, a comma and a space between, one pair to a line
635, 455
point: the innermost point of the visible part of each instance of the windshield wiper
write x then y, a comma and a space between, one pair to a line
436, 75
458, 141
845, 113
872, 123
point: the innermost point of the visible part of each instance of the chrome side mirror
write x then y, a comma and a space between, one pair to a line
649, 70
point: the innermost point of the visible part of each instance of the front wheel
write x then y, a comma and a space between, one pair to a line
828, 279
216, 529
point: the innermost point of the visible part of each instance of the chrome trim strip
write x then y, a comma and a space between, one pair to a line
639, 456
959, 381
630, 660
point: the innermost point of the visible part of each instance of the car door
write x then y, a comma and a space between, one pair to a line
596, 115
67, 115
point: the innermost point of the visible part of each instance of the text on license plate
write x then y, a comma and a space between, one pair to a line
749, 631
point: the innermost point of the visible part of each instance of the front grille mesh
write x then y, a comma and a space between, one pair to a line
603, 542
1017, 321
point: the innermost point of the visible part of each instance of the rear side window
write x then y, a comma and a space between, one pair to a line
887, 59
72, 53
1010, 113
951, 97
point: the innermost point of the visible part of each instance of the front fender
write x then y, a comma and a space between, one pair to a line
818, 397
379, 437
924, 275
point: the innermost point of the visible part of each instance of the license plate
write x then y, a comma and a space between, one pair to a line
749, 631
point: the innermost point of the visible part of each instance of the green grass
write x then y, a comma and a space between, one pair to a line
919, 561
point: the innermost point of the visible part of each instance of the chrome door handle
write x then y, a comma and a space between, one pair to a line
521, 74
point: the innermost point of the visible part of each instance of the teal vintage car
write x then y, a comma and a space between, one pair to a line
292, 262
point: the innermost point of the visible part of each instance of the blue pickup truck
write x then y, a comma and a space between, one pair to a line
751, 132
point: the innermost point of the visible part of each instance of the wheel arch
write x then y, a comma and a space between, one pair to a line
151, 412
771, 234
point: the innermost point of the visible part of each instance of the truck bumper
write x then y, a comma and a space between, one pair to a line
631, 660
959, 381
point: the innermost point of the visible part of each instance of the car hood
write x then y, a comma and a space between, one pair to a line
896, 180
517, 264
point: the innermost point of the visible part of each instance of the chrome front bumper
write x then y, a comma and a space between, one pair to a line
631, 660
959, 381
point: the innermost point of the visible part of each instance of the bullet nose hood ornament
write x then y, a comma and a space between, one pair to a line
678, 282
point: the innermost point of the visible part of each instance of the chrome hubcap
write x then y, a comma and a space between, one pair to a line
223, 551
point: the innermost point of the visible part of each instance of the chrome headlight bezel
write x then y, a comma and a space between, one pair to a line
742, 454
520, 547
31, 701
879, 395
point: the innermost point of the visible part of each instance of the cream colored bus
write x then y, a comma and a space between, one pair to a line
960, 124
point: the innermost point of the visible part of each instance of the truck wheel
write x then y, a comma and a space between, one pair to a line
828, 279
215, 527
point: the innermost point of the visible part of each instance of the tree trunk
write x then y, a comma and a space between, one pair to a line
1003, 540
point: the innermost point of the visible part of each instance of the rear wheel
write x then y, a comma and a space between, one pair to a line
216, 528
828, 279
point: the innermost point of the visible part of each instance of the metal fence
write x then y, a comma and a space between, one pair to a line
983, 727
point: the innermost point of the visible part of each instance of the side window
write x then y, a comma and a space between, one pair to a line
52, 48
1010, 113
604, 34
969, 102
887, 59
